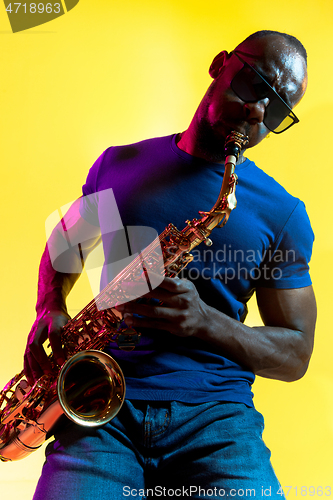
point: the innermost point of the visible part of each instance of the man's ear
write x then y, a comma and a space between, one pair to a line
218, 63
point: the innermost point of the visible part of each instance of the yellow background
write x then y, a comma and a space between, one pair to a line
109, 73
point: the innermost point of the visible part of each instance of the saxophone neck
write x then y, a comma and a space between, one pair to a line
226, 201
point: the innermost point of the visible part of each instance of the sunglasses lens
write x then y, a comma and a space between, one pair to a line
243, 87
249, 86
286, 123
277, 116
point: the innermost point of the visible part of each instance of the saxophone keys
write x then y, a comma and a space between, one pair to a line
188, 257
128, 339
21, 426
22, 389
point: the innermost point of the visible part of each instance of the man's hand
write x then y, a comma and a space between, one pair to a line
180, 311
47, 327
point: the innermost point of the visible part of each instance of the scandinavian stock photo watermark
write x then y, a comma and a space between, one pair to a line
227, 264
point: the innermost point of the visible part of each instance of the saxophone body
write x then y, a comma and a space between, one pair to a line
90, 387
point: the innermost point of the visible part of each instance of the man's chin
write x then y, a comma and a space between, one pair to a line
213, 154
211, 143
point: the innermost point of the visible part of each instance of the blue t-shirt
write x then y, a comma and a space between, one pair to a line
267, 242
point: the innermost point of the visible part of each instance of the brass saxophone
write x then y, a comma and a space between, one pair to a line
90, 387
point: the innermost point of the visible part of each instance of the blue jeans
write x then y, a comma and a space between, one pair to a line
162, 450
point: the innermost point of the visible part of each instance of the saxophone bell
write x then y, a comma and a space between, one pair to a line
91, 388
90, 391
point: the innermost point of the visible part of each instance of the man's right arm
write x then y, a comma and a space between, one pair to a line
54, 287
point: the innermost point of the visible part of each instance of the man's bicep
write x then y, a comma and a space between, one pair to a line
71, 241
289, 308
78, 231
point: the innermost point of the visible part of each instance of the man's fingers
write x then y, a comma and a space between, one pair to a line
54, 335
28, 371
32, 368
56, 346
38, 357
46, 329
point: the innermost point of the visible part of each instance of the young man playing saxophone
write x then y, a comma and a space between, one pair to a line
188, 426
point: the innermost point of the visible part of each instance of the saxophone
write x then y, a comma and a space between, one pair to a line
90, 388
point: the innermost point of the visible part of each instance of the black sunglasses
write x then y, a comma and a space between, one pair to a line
250, 86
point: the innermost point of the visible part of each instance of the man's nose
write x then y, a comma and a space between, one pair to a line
255, 111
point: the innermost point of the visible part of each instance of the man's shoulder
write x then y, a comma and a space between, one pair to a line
131, 149
269, 199
261, 181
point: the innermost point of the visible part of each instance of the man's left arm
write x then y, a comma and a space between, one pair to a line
281, 349
289, 316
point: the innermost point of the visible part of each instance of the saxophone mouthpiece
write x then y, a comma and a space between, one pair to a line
234, 143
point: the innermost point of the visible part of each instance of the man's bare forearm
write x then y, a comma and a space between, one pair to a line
54, 286
269, 351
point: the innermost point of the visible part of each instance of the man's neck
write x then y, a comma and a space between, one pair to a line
187, 143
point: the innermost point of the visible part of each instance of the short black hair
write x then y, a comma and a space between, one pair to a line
292, 41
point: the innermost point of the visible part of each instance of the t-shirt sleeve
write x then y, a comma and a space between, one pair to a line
89, 200
286, 263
